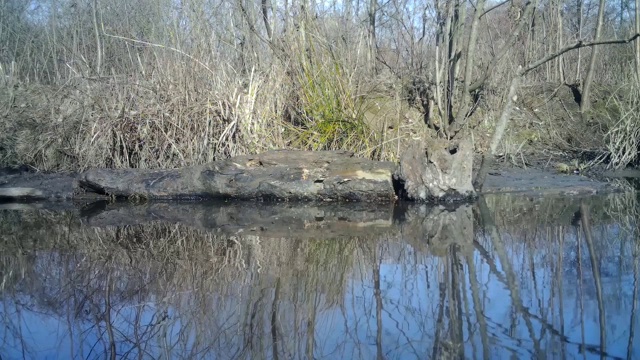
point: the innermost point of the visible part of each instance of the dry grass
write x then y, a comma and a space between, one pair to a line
180, 116
171, 119
148, 86
176, 97
153, 85
624, 133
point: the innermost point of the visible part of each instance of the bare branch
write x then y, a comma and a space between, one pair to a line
524, 19
637, 42
94, 14
469, 88
576, 45
265, 18
494, 7
146, 43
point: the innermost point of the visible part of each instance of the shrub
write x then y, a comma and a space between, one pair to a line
624, 132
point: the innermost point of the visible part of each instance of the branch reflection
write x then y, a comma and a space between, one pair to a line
508, 277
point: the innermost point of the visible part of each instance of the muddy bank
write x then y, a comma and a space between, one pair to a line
532, 181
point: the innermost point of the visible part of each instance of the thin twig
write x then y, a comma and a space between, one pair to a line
162, 47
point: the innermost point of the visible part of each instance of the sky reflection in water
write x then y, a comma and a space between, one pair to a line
514, 279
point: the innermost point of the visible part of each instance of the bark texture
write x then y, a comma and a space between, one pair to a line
274, 175
437, 170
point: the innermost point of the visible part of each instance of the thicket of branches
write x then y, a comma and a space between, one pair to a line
161, 83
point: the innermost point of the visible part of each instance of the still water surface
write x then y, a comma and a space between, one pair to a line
509, 278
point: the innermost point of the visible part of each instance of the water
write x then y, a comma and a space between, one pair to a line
509, 278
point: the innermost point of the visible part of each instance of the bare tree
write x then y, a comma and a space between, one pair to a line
451, 16
371, 14
637, 23
579, 4
94, 13
505, 116
585, 104
471, 52
523, 18
265, 17
559, 34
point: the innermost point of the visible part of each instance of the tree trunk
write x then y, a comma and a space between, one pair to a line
440, 59
637, 40
97, 34
470, 56
501, 126
579, 6
265, 18
585, 104
453, 13
373, 7
54, 31
559, 34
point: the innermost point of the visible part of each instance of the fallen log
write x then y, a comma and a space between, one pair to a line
426, 174
274, 175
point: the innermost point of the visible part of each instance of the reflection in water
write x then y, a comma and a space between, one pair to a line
510, 277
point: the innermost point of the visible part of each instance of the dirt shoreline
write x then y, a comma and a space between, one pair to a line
535, 181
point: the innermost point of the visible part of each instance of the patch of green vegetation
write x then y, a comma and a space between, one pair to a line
528, 135
575, 166
332, 115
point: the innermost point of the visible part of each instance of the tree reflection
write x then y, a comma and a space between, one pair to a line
505, 278
595, 270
